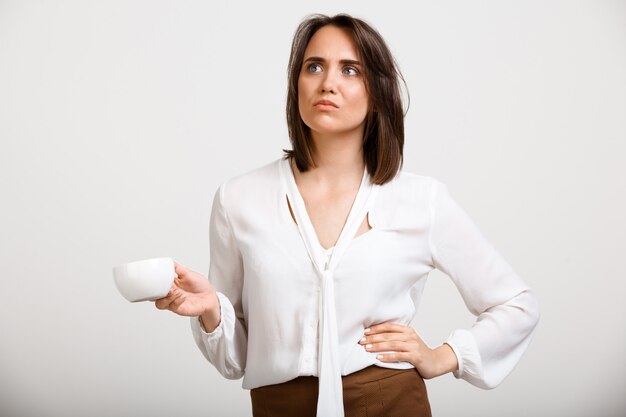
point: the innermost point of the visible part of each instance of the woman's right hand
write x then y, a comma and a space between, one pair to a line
191, 295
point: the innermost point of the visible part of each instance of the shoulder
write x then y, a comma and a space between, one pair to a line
262, 176
411, 185
252, 187
258, 176
406, 201
411, 179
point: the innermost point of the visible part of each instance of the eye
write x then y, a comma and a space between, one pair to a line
350, 71
314, 67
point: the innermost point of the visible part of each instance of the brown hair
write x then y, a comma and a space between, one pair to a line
383, 139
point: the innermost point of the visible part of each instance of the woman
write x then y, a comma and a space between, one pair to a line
319, 259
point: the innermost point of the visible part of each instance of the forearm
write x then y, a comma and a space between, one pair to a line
225, 346
495, 343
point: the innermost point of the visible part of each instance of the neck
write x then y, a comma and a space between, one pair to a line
337, 156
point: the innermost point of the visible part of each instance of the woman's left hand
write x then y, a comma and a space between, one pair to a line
405, 345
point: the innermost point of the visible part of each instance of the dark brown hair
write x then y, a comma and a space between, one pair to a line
383, 140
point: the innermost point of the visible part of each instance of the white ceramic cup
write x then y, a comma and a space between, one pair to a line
145, 280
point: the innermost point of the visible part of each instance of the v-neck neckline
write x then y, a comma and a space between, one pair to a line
317, 252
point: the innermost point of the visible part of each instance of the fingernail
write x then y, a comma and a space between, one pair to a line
362, 340
379, 357
368, 346
368, 330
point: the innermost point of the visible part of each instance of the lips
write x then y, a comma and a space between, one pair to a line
326, 103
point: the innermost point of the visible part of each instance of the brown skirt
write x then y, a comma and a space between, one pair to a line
371, 392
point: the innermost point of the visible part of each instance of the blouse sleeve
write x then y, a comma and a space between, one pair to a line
506, 308
226, 346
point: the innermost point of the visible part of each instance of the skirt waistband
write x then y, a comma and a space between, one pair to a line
374, 390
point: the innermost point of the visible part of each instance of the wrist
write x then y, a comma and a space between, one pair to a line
211, 316
446, 358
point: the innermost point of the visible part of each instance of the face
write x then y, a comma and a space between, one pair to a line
332, 98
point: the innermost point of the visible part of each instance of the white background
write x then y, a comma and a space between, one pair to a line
119, 119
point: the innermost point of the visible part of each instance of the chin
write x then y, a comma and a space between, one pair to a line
333, 128
330, 131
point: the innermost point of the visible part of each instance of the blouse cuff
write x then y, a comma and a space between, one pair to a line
468, 357
219, 330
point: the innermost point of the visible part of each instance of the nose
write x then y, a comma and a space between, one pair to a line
329, 83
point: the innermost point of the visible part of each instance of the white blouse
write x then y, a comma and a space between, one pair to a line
291, 308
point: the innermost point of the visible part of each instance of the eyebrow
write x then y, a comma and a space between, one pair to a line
341, 61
